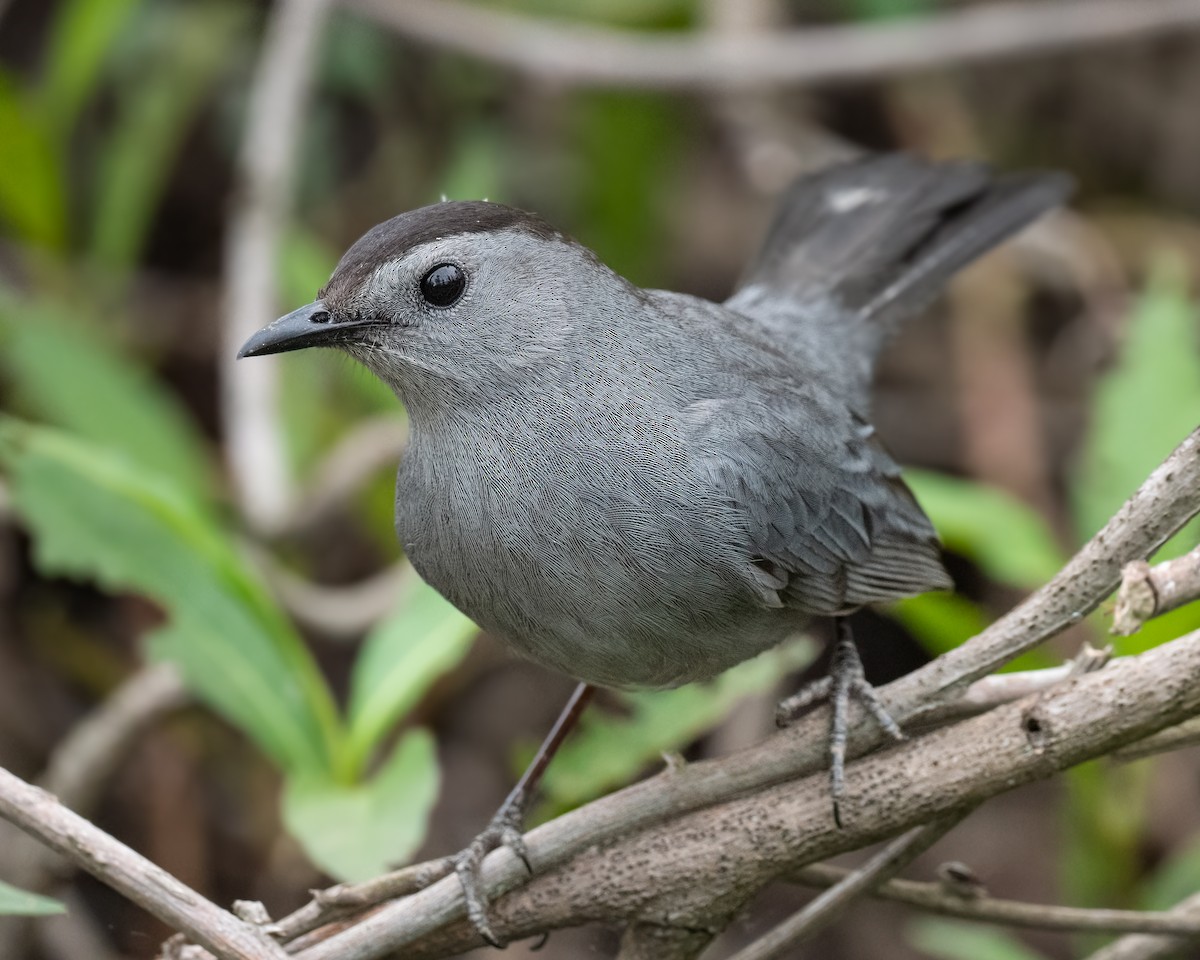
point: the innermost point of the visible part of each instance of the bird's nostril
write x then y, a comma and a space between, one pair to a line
321, 316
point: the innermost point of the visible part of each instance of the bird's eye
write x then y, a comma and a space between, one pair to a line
443, 285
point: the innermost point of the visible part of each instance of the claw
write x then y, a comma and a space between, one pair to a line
845, 680
503, 831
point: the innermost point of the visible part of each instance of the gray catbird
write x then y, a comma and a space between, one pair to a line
643, 488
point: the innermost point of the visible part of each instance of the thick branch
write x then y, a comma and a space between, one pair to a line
684, 870
40, 815
830, 905
594, 56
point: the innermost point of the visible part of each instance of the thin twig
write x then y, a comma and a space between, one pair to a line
593, 56
662, 941
1147, 592
346, 899
1149, 947
40, 815
342, 612
369, 447
935, 898
265, 170
1174, 738
79, 770
830, 905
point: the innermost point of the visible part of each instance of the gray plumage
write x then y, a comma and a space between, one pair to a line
643, 488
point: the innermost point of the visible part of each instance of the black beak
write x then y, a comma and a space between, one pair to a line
310, 326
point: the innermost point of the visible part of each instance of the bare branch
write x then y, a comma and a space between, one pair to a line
266, 164
371, 446
935, 898
78, 772
342, 612
1143, 947
1175, 738
1161, 505
574, 55
834, 902
682, 868
40, 815
1147, 592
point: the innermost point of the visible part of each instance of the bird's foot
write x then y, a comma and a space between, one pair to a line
846, 679
503, 831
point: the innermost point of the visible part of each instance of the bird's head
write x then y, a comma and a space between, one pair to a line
463, 292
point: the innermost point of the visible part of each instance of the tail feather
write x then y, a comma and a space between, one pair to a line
857, 247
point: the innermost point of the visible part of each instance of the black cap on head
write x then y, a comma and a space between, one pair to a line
393, 238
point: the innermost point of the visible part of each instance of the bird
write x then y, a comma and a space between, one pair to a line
641, 488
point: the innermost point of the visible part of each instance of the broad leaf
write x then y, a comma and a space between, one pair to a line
401, 657
161, 89
608, 751
15, 902
32, 188
82, 35
1146, 405
111, 399
97, 516
1005, 538
960, 940
357, 831
942, 621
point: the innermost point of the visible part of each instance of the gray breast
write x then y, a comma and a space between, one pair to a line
567, 539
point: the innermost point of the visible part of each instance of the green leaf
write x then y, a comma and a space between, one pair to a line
111, 399
81, 37
401, 657
607, 751
943, 621
628, 145
32, 188
474, 168
888, 9
960, 940
98, 516
21, 903
355, 832
157, 104
1146, 405
1005, 538
1175, 879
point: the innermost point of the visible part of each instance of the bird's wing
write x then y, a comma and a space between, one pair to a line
829, 525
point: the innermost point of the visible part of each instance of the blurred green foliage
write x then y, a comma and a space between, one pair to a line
118, 484
961, 940
21, 903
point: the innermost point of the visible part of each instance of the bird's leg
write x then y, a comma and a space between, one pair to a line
845, 680
504, 830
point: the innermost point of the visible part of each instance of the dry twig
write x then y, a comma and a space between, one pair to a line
594, 56
40, 815
266, 164
1139, 946
1147, 592
935, 898
834, 902
77, 774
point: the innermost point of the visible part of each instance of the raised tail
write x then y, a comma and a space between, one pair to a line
859, 246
